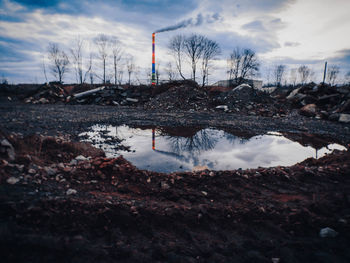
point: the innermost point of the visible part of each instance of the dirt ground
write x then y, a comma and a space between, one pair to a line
59, 208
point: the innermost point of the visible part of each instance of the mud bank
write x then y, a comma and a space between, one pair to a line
65, 202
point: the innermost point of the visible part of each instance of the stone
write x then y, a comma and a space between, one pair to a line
222, 107
31, 171
71, 191
241, 87
12, 180
132, 100
328, 232
164, 185
50, 171
309, 110
43, 101
9, 148
80, 158
344, 118
293, 94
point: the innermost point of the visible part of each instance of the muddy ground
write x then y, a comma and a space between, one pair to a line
106, 210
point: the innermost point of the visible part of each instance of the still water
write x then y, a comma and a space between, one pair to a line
185, 149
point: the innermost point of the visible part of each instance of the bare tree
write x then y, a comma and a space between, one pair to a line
347, 78
279, 74
170, 72
304, 73
44, 69
130, 65
242, 63
157, 73
293, 76
176, 47
332, 74
59, 61
211, 49
103, 43
90, 71
193, 48
117, 56
77, 54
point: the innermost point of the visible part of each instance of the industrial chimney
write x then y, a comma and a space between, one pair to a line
153, 60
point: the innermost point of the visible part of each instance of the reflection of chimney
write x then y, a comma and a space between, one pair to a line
153, 60
153, 139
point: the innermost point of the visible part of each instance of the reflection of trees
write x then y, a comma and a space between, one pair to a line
201, 141
234, 139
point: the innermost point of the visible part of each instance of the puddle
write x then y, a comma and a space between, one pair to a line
185, 149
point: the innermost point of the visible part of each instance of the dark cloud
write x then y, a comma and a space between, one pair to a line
256, 25
260, 44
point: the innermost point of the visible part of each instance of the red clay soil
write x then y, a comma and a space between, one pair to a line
106, 210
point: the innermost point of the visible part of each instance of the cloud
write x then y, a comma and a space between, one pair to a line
291, 44
256, 25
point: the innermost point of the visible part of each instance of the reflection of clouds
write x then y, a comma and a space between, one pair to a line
215, 149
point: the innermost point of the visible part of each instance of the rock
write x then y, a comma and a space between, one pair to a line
80, 158
344, 118
328, 232
309, 110
12, 180
9, 149
241, 87
43, 101
200, 168
71, 191
275, 260
31, 171
132, 100
50, 171
164, 185
334, 117
222, 107
293, 94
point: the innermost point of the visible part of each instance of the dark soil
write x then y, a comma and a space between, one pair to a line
53, 209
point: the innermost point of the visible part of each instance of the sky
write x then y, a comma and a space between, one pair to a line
288, 32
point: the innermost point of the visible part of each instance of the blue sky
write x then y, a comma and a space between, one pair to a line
291, 32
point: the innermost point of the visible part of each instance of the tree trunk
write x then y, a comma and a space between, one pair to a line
104, 71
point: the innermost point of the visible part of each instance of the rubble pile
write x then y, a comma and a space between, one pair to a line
322, 101
248, 100
113, 95
180, 95
50, 93
79, 206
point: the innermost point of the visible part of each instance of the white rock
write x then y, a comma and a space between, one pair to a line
328, 232
293, 94
344, 118
222, 107
12, 180
242, 86
132, 100
71, 191
81, 158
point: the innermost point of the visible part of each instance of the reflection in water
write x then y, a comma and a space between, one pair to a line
168, 150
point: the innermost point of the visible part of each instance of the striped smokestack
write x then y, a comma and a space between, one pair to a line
153, 60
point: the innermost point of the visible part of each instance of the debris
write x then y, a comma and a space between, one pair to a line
71, 191
81, 158
12, 180
344, 118
309, 110
6, 147
328, 232
164, 185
